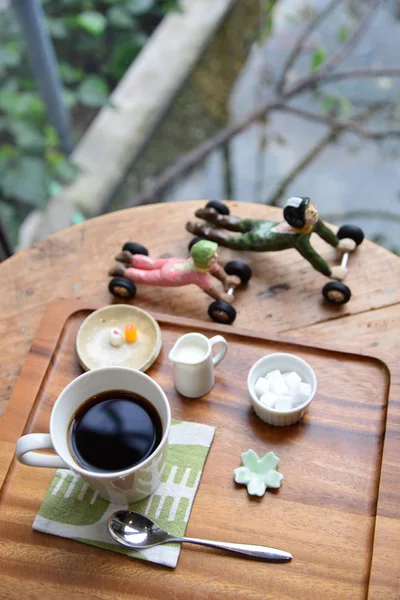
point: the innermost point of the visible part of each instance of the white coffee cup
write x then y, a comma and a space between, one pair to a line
120, 487
194, 363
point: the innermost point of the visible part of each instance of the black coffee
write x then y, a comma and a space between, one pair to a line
113, 431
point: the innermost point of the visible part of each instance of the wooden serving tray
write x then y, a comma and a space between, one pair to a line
324, 513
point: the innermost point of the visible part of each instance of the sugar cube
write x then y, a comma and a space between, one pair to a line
262, 385
277, 383
291, 379
297, 399
283, 403
268, 399
302, 393
304, 389
273, 374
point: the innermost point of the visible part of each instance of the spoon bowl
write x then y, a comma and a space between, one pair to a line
136, 531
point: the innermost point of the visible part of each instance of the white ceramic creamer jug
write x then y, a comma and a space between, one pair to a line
194, 363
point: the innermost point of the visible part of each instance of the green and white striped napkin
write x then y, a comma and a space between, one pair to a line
73, 510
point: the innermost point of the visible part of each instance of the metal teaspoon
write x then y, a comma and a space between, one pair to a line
136, 531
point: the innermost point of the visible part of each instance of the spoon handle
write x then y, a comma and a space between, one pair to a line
260, 552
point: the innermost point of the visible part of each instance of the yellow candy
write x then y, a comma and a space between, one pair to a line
130, 332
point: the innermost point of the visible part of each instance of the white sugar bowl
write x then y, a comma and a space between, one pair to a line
286, 364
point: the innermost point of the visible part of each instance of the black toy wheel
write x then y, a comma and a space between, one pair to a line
240, 269
122, 288
135, 248
221, 208
222, 312
194, 241
351, 231
336, 292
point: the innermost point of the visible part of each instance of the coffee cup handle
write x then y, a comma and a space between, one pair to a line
218, 339
26, 451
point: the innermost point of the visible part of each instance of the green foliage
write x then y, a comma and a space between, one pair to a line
10, 218
336, 106
93, 91
140, 7
343, 33
26, 179
171, 6
91, 21
267, 8
95, 42
318, 58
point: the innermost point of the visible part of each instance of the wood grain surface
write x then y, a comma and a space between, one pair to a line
284, 293
324, 512
376, 331
283, 298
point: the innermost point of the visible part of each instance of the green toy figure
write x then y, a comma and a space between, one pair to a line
257, 235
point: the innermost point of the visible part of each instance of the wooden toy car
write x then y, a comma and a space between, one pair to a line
258, 235
138, 267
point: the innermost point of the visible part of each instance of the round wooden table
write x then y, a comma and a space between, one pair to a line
283, 298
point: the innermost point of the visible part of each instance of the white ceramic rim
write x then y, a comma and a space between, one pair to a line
201, 336
153, 356
274, 410
74, 466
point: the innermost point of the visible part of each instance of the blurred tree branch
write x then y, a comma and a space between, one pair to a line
279, 98
337, 128
301, 165
336, 124
340, 55
359, 74
293, 55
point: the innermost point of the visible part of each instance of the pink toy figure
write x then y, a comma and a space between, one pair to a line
173, 272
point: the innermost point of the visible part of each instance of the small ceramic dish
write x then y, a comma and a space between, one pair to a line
283, 362
93, 339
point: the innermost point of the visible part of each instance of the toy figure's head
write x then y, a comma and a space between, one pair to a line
300, 213
204, 254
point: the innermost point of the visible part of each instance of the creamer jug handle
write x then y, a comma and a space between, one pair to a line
218, 339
